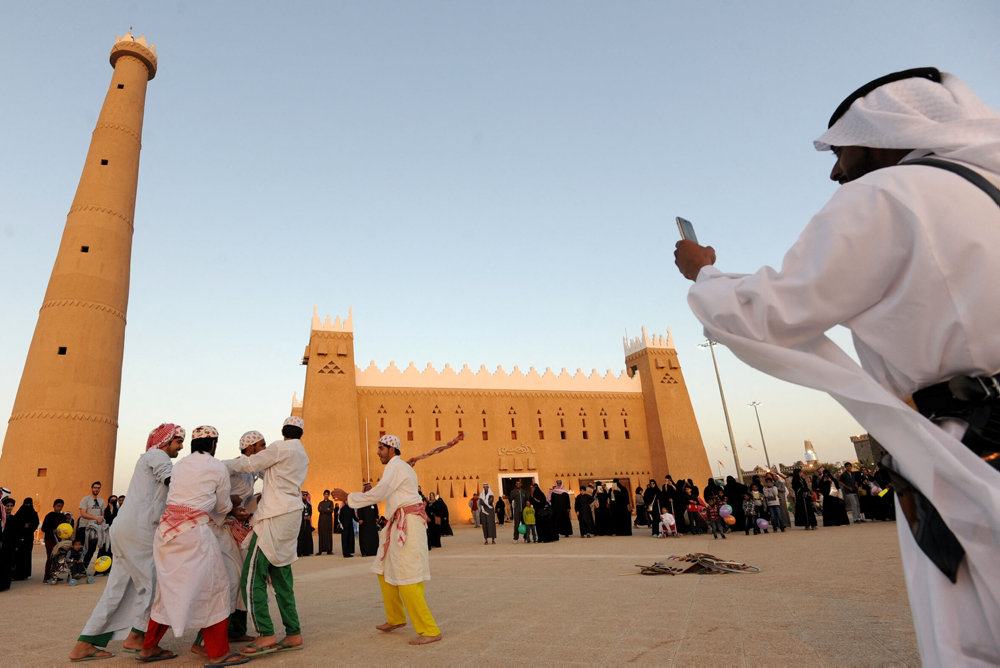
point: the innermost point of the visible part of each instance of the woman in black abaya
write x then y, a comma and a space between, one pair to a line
25, 522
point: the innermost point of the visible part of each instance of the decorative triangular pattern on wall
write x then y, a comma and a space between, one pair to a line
409, 410
668, 379
331, 367
381, 410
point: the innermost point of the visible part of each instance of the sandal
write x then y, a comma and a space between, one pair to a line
93, 656
239, 658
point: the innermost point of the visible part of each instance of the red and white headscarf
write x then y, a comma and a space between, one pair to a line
162, 435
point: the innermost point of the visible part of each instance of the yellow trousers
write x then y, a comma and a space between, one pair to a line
395, 598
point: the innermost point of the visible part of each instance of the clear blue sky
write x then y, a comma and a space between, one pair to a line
484, 183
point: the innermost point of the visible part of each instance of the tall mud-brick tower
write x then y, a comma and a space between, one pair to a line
63, 427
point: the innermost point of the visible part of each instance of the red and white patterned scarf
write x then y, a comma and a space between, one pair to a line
399, 519
178, 519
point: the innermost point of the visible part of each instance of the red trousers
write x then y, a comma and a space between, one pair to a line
216, 637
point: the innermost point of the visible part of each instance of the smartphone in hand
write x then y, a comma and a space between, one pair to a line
686, 229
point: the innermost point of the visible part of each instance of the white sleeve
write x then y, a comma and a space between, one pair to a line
379, 492
843, 263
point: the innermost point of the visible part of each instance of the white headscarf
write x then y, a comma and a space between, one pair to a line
946, 118
484, 496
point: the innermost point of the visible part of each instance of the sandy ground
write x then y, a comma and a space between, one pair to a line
829, 597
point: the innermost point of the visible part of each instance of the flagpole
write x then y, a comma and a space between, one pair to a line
736, 458
754, 405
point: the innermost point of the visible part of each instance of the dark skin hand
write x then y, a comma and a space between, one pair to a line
690, 258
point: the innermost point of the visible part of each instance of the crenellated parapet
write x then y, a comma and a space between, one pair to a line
130, 45
484, 379
637, 343
336, 325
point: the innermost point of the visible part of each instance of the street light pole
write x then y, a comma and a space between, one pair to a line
755, 404
732, 442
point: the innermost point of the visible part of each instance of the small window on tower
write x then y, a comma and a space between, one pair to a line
627, 435
486, 435
62, 350
84, 249
605, 434
585, 436
409, 436
513, 434
42, 473
120, 86
104, 161
562, 435
437, 436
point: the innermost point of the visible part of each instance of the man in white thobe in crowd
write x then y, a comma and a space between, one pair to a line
272, 548
402, 562
233, 535
191, 586
906, 256
123, 609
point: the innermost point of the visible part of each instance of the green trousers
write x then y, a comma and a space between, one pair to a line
256, 570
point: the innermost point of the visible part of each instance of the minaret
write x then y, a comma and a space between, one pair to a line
63, 428
675, 444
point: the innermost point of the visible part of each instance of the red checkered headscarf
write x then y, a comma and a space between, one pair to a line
162, 435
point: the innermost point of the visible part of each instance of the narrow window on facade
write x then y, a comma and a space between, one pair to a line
459, 423
42, 473
84, 249
381, 422
541, 435
381, 434
120, 86
409, 422
437, 436
626, 435
409, 436
437, 422
605, 434
486, 436
62, 350
104, 161
562, 423
513, 434
562, 435
585, 436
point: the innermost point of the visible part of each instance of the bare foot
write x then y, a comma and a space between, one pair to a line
292, 640
425, 640
387, 627
200, 651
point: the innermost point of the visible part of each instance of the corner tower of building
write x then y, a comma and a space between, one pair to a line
63, 427
675, 445
333, 435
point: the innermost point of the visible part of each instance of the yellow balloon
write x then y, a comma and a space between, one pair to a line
64, 531
102, 564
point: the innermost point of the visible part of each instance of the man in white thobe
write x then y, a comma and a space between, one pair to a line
907, 257
402, 562
123, 609
272, 547
191, 586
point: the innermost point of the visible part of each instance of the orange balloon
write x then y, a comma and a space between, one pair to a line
730, 520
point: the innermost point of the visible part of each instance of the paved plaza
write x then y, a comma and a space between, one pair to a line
829, 597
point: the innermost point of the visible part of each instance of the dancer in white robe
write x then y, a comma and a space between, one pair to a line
401, 563
191, 586
123, 609
907, 257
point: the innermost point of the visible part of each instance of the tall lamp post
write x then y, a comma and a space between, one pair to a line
710, 344
754, 405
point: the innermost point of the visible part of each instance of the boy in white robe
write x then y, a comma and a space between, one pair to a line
192, 589
123, 609
402, 562
272, 548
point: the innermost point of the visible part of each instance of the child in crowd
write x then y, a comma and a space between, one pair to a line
529, 522
75, 560
773, 505
750, 522
759, 505
714, 520
668, 525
